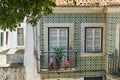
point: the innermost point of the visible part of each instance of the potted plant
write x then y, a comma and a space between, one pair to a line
58, 56
67, 64
51, 64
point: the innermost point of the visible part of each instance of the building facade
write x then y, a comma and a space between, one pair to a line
69, 29
86, 32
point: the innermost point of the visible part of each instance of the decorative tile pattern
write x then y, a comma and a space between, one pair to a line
77, 19
90, 63
112, 20
70, 75
86, 66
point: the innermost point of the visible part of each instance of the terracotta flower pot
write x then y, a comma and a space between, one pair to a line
57, 67
50, 67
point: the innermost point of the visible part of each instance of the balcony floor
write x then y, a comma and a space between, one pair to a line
60, 70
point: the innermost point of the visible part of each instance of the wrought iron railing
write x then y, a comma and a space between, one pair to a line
67, 62
114, 65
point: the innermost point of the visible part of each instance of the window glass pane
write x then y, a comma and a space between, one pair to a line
88, 45
6, 38
63, 38
58, 37
89, 39
20, 36
1, 39
97, 42
53, 39
93, 39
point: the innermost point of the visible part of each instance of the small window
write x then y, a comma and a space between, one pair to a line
93, 39
20, 37
1, 38
6, 38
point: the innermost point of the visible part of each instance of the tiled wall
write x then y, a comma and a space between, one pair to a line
70, 75
77, 19
91, 63
84, 63
112, 20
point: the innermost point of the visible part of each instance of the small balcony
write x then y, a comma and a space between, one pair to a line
114, 65
48, 62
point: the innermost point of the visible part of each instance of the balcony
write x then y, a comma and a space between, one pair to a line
114, 65
48, 62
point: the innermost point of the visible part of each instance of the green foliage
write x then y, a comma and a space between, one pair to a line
13, 12
58, 56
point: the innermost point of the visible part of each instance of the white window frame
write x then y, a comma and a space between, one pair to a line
93, 40
83, 26
23, 37
58, 36
58, 25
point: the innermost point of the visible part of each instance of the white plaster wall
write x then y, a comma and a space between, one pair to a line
29, 58
12, 36
12, 39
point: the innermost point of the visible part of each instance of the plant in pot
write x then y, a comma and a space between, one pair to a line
67, 64
51, 64
58, 57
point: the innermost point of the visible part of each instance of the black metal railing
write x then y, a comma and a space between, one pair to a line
48, 61
114, 65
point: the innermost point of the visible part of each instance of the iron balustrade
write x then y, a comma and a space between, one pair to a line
46, 56
114, 65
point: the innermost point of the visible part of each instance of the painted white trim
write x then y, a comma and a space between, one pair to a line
48, 25
23, 36
78, 9
58, 24
113, 10
117, 45
83, 25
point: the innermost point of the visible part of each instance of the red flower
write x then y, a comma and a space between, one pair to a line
51, 62
67, 63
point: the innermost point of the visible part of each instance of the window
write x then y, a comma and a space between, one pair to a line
58, 37
20, 37
68, 27
6, 38
93, 39
1, 38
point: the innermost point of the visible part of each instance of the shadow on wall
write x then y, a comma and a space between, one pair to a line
15, 56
